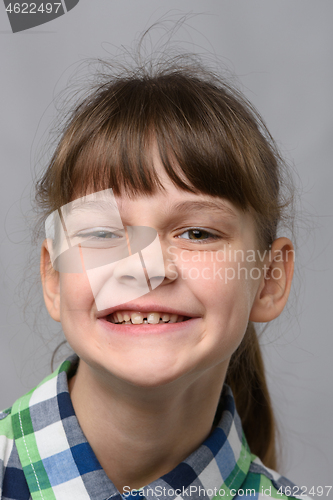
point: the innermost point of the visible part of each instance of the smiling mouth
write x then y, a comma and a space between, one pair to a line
137, 318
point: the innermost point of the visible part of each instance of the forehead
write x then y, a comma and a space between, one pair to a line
170, 198
165, 192
175, 201
165, 181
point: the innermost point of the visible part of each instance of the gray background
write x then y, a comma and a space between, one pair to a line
281, 51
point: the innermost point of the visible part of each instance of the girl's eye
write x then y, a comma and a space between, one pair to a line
198, 234
99, 238
100, 234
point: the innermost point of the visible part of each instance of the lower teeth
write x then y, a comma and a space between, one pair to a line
145, 322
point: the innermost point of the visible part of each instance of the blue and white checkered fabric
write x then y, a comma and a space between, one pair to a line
44, 455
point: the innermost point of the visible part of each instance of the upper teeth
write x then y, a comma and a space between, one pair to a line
137, 318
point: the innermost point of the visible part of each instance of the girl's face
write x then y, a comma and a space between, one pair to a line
210, 277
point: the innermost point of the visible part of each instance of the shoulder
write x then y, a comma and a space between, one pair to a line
262, 483
12, 479
17, 442
6, 443
6, 436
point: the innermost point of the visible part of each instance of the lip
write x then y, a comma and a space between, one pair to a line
150, 329
146, 308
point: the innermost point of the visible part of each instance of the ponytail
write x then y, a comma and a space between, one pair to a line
246, 377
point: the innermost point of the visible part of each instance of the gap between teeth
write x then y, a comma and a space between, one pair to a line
144, 318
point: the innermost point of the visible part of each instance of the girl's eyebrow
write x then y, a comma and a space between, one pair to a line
90, 204
186, 207
93, 206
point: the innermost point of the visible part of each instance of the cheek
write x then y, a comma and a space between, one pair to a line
226, 290
225, 283
76, 309
75, 293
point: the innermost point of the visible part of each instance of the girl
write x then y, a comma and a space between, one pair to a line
162, 203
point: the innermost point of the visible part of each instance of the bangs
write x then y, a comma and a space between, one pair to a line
201, 142
124, 161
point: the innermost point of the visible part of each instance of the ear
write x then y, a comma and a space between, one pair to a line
50, 282
274, 288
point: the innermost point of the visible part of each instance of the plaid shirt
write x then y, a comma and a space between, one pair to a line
44, 455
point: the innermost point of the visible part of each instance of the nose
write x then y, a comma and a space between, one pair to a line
131, 272
145, 265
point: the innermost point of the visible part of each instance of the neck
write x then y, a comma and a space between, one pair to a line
139, 434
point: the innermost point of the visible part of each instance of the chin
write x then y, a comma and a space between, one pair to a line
136, 370
149, 376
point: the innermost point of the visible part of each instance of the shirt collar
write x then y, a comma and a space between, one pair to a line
59, 463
